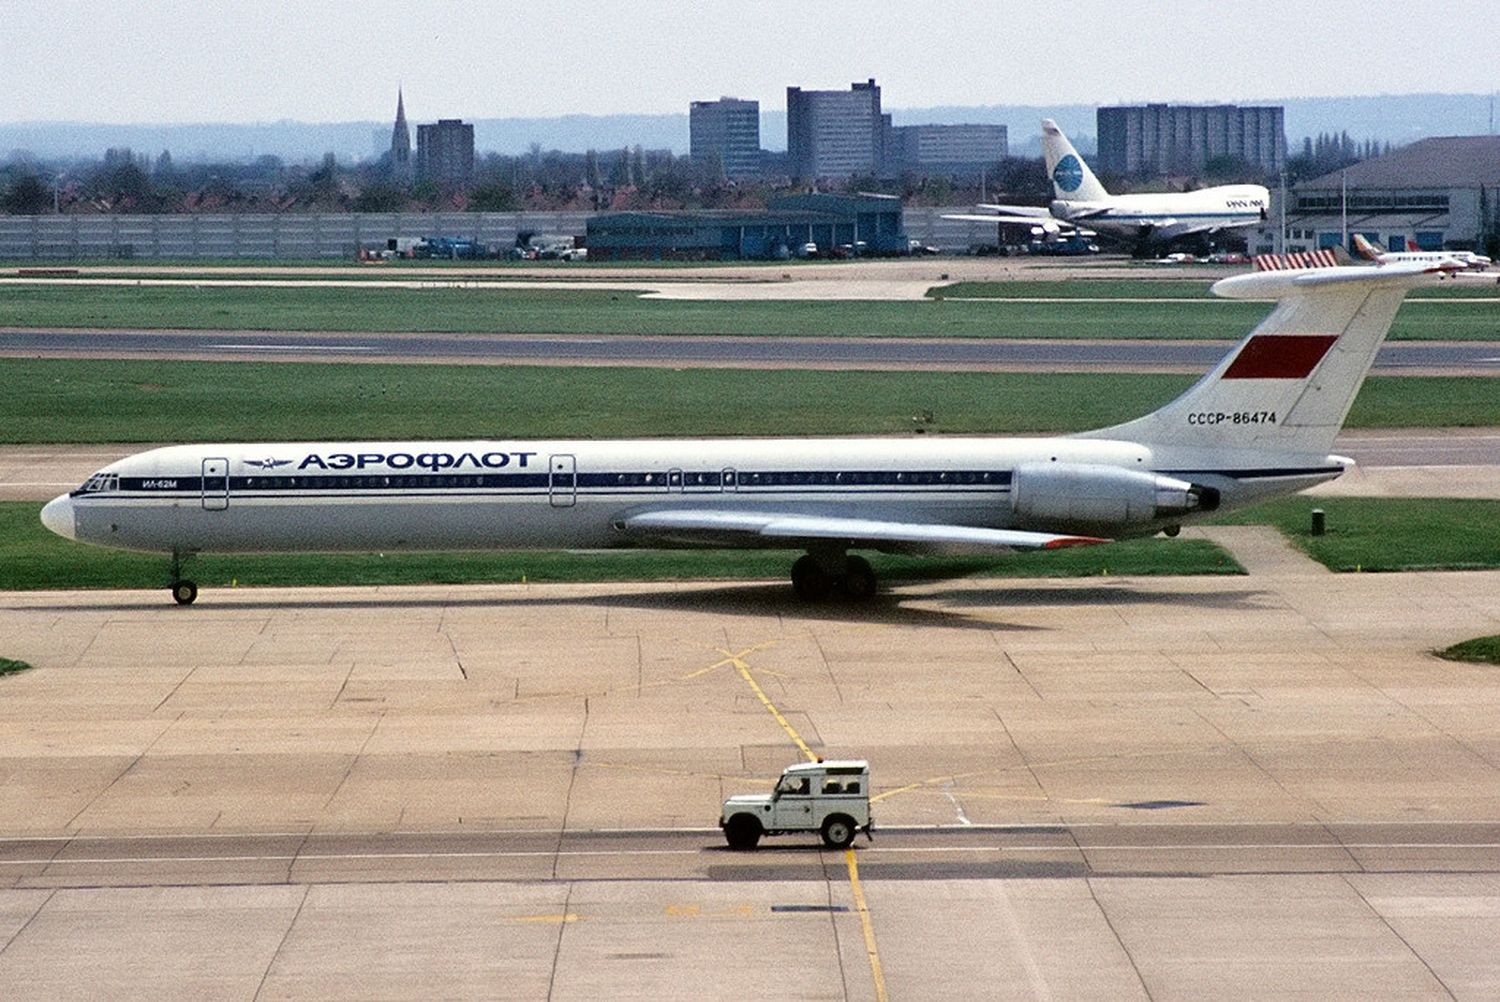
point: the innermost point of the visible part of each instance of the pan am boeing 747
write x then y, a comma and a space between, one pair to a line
1145, 220
1259, 425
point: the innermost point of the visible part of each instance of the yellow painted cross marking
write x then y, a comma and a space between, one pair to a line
729, 658
741, 666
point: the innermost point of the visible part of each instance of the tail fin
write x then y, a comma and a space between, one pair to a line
1288, 386
1071, 177
1365, 249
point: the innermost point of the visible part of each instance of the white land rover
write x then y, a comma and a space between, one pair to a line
830, 798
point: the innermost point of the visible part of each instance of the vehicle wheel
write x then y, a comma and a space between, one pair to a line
743, 832
810, 581
859, 580
838, 832
184, 592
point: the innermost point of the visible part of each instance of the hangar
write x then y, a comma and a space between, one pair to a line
870, 223
1442, 193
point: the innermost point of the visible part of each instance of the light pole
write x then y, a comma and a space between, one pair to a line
1281, 249
57, 194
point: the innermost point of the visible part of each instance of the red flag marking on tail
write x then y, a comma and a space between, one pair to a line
1280, 356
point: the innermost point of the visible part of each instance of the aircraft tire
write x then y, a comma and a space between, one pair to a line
859, 583
184, 592
810, 581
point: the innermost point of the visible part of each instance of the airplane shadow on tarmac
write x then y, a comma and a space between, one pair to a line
752, 600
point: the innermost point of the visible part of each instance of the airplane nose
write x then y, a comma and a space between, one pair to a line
57, 515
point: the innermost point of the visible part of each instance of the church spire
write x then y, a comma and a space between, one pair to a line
400, 136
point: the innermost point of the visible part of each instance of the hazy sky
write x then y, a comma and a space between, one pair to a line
155, 61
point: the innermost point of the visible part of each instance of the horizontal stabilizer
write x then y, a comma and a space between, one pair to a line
710, 527
1281, 284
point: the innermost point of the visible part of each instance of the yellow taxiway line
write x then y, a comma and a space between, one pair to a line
861, 907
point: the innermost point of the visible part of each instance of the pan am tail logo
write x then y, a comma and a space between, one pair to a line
1068, 174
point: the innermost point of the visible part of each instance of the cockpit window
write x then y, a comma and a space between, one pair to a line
100, 483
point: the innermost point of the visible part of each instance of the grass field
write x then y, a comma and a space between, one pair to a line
1389, 534
31, 558
87, 400
589, 311
1481, 650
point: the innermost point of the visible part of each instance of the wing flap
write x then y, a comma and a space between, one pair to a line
707, 527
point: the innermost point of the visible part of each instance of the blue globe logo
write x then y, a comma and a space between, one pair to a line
1068, 174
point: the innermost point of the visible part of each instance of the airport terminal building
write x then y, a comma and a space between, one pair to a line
1441, 192
870, 223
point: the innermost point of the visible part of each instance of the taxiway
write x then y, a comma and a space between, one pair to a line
1125, 788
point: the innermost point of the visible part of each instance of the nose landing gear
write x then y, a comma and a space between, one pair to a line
184, 591
818, 577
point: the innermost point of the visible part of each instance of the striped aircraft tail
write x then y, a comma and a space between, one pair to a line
1365, 249
1288, 385
1328, 257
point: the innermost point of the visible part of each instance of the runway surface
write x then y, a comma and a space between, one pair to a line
1450, 358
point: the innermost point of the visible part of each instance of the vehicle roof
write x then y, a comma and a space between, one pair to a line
843, 763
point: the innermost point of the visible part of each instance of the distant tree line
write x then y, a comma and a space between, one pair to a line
125, 181
1329, 152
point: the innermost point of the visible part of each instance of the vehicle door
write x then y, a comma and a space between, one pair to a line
793, 806
215, 484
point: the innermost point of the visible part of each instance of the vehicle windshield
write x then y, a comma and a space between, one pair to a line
100, 483
794, 784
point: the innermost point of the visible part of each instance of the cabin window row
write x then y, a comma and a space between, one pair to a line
662, 480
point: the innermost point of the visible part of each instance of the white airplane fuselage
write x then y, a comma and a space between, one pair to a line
1455, 260
579, 494
1166, 216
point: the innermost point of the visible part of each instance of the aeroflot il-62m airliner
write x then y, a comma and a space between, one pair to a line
1259, 425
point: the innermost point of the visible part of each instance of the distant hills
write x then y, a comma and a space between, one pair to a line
1397, 119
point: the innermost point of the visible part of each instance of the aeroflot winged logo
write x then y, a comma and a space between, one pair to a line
268, 464
1068, 173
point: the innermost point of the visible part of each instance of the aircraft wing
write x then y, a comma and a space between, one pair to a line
1035, 222
700, 527
1035, 211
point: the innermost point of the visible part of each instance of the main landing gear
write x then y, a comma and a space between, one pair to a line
184, 591
818, 577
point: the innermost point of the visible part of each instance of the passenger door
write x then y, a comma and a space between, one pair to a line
562, 482
215, 484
